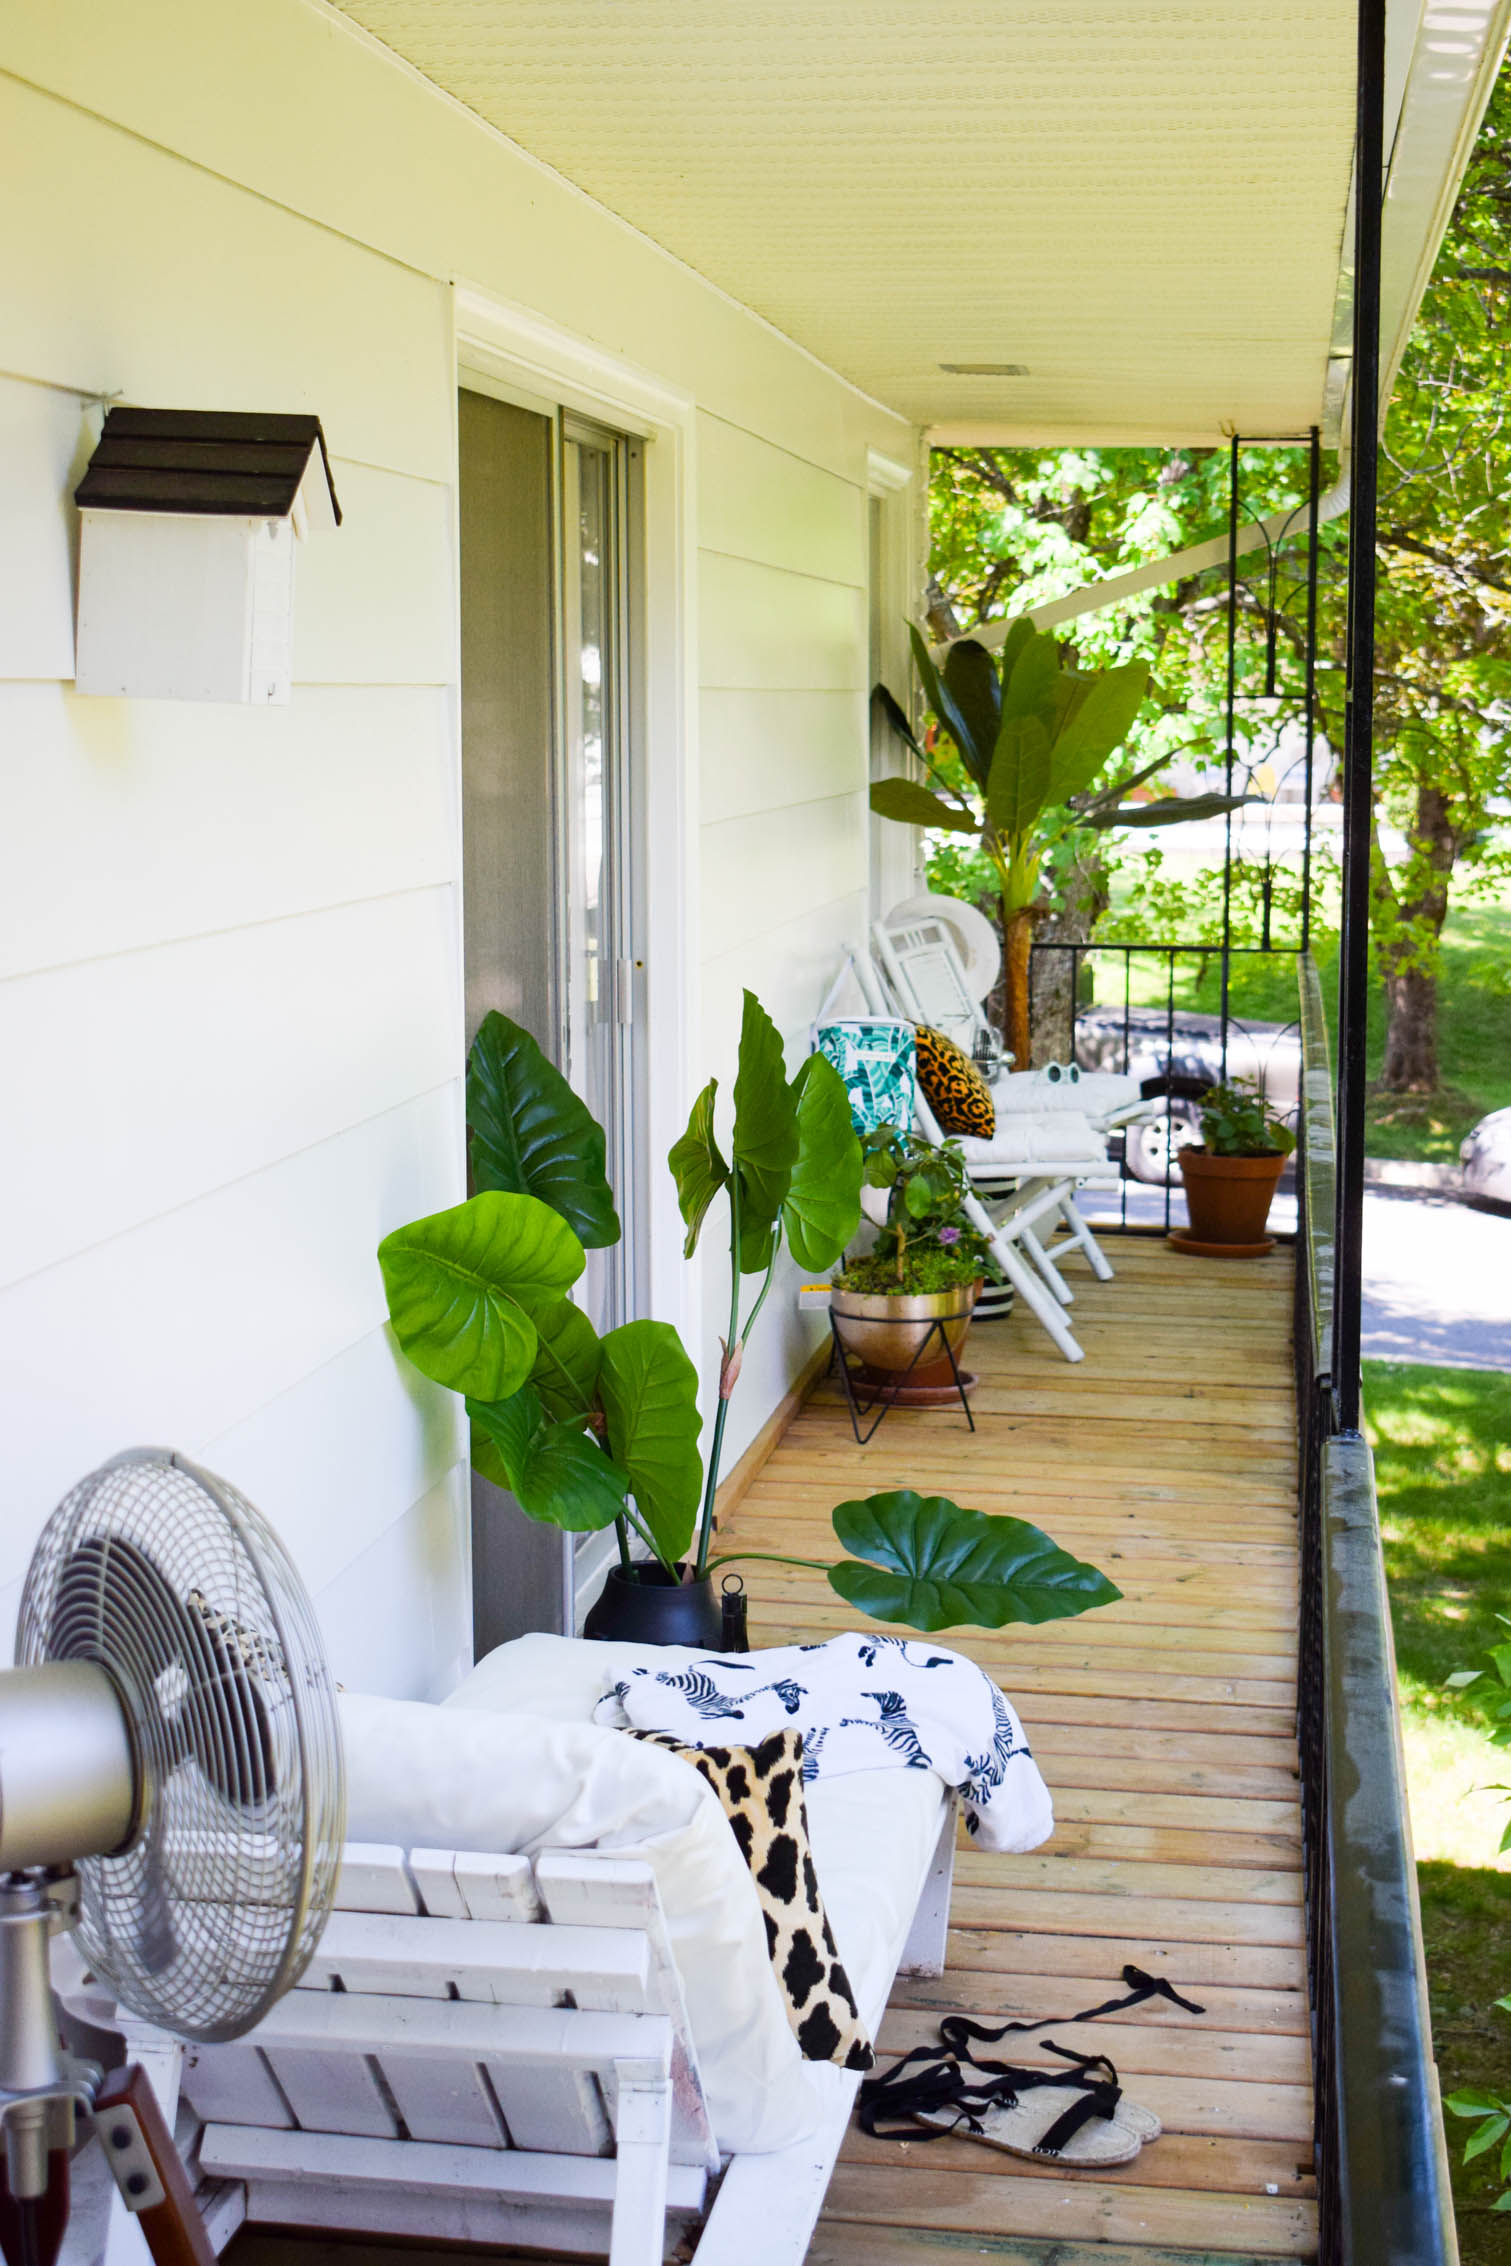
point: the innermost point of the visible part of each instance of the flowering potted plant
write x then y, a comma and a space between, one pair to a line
924, 1273
1232, 1174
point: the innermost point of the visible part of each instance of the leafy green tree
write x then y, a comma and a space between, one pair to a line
1014, 529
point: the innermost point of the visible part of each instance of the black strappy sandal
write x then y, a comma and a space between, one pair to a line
1077, 2116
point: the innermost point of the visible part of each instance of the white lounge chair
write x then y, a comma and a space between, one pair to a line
497, 2049
920, 959
1027, 1174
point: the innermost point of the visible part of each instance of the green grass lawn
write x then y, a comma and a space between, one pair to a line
1442, 1444
1474, 1025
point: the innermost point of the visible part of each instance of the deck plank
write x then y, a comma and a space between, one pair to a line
1165, 1726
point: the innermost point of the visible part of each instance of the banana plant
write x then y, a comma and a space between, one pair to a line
1032, 736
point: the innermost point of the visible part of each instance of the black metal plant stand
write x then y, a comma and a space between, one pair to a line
886, 1396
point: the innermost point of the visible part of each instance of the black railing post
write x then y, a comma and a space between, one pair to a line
1314, 497
1232, 703
1358, 765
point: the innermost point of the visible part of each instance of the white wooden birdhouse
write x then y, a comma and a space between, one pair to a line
188, 521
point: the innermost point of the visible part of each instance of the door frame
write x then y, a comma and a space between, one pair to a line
511, 351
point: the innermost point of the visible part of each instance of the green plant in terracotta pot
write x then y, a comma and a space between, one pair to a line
1231, 1175
924, 1273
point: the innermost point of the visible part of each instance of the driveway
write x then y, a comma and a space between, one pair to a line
1437, 1276
1437, 1281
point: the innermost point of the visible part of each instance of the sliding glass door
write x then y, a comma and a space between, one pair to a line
603, 967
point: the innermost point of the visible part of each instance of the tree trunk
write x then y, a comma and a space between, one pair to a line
1085, 898
1408, 961
1019, 934
1411, 1038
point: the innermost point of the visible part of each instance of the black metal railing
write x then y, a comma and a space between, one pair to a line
1176, 1051
1382, 2164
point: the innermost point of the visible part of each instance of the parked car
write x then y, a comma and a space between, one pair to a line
1485, 1154
1178, 1058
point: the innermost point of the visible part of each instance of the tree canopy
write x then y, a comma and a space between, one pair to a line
1012, 529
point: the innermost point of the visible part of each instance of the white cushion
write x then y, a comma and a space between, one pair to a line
873, 1833
1091, 1095
487, 1776
1051, 1137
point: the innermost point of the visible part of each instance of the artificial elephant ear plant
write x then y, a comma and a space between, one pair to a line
1032, 736
588, 1430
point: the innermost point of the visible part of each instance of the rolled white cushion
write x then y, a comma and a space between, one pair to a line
475, 1776
1092, 1094
1057, 1137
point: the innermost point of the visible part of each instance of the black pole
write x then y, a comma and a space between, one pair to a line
1358, 761
1314, 495
1227, 854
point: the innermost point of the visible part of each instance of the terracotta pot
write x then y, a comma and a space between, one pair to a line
644, 1607
887, 1332
1229, 1198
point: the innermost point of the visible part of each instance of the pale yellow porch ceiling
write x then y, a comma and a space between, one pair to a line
1144, 205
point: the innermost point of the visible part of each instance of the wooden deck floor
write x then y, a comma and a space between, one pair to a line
1164, 1725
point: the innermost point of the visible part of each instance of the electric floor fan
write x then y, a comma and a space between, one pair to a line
171, 1788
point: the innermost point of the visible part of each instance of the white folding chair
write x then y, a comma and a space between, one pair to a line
927, 978
1036, 1190
1031, 1167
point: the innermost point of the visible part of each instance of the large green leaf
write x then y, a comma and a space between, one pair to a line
970, 679
1029, 687
913, 805
764, 1144
1019, 784
936, 692
697, 1167
1097, 727
557, 1473
566, 1361
466, 1286
757, 1235
936, 1566
530, 1134
649, 1391
895, 714
822, 1210
1014, 639
1169, 810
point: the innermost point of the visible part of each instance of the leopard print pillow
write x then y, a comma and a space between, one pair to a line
761, 1789
953, 1087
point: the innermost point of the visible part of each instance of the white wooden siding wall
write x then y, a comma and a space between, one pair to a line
229, 992
228, 960
783, 756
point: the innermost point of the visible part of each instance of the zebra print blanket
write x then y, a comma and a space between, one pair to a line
861, 1703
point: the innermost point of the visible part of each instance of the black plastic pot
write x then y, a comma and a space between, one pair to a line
645, 1606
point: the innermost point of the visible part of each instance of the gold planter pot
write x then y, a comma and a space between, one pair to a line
888, 1333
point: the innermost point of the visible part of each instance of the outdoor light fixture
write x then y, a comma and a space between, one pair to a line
188, 519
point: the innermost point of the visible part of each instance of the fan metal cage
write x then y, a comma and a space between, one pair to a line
172, 1582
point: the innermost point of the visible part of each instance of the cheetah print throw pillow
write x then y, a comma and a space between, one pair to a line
953, 1087
761, 1789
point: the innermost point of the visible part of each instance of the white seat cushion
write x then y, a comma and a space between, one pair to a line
1022, 1142
873, 1833
487, 1774
1093, 1094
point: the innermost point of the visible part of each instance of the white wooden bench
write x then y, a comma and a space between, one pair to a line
491, 2050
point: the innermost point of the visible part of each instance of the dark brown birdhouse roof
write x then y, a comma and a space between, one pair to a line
233, 461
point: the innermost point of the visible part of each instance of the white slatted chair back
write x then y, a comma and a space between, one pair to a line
470, 2028
929, 981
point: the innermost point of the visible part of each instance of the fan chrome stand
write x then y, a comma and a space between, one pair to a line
42, 2088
